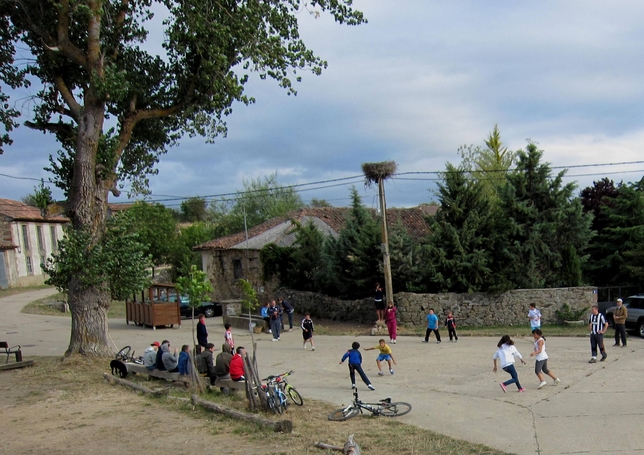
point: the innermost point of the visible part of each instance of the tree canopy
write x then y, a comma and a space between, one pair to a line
115, 106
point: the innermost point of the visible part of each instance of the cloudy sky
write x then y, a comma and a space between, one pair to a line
419, 80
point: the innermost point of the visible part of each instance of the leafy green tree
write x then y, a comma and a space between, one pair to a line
540, 229
90, 59
315, 202
406, 259
594, 199
357, 254
259, 201
182, 256
458, 253
156, 229
193, 209
306, 256
327, 277
41, 197
118, 262
488, 164
617, 249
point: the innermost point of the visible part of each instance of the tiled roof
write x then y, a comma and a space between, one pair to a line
277, 229
16, 210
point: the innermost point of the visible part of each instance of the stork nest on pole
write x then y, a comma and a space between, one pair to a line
375, 172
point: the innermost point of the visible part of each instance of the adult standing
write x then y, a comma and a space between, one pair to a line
202, 331
379, 302
597, 325
275, 316
619, 321
535, 317
289, 310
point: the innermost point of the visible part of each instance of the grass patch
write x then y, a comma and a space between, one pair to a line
78, 378
50, 306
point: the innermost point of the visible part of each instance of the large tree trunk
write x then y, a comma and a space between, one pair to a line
88, 211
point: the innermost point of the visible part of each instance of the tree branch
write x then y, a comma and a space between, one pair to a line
64, 44
118, 24
74, 107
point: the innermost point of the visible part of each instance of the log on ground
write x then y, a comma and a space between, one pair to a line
284, 426
350, 447
114, 380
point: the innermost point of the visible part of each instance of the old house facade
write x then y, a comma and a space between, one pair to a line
27, 239
228, 259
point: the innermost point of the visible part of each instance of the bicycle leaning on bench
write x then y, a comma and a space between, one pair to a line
383, 407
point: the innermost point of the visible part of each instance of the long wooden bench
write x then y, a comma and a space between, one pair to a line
230, 384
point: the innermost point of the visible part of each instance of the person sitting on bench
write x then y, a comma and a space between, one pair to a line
206, 364
160, 365
150, 356
237, 365
170, 361
222, 362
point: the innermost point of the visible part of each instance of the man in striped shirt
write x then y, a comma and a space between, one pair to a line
597, 325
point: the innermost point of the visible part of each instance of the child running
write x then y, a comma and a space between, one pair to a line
390, 320
506, 354
355, 364
541, 358
385, 354
450, 323
307, 330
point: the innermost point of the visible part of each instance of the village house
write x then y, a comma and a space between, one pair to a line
27, 238
228, 259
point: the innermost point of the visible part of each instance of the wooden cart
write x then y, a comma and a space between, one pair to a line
159, 308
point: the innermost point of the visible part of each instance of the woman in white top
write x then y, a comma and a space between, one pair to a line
541, 357
506, 354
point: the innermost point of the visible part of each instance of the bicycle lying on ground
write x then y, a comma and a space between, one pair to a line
383, 407
127, 355
286, 388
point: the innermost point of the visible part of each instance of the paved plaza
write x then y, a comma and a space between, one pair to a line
597, 408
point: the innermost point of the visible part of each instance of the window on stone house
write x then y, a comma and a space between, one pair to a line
41, 239
237, 269
25, 237
54, 238
30, 267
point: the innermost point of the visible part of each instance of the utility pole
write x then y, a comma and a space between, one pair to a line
384, 246
378, 173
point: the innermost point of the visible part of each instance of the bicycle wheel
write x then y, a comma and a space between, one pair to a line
344, 413
395, 409
270, 401
123, 353
294, 395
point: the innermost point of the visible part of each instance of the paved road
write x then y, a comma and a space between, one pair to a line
596, 408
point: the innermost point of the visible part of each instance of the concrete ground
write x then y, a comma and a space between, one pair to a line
595, 409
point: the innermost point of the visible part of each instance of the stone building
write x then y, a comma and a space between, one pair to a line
227, 259
27, 238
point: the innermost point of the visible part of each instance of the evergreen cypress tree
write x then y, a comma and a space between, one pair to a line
537, 221
457, 251
618, 247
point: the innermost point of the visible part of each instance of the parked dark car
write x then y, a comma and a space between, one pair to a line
208, 309
635, 318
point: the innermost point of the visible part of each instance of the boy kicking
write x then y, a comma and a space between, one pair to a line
385, 354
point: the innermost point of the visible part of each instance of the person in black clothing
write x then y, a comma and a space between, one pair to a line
206, 363
202, 332
307, 330
289, 310
597, 325
160, 365
379, 301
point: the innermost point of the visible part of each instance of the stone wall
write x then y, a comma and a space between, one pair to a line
478, 309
